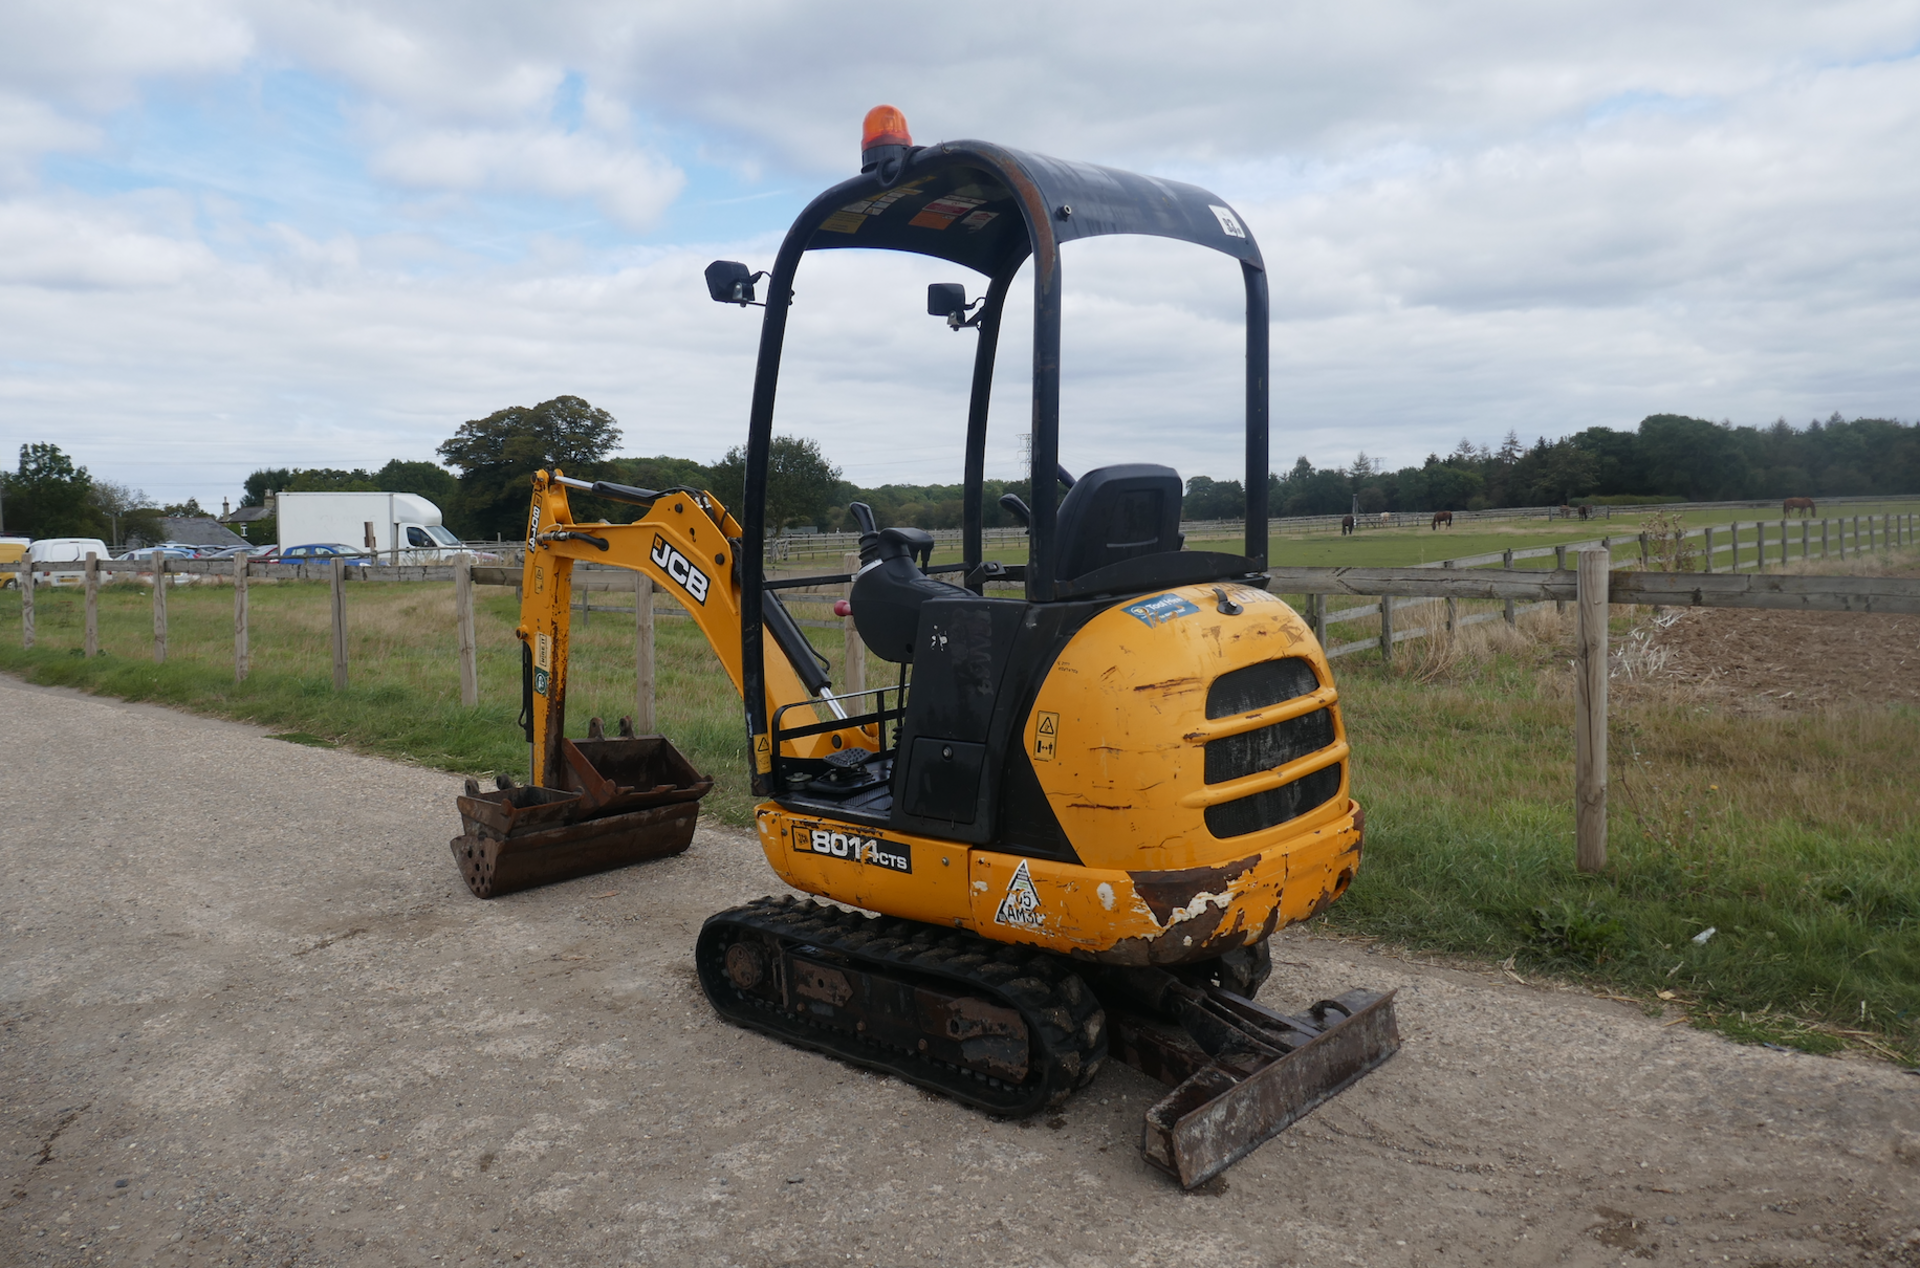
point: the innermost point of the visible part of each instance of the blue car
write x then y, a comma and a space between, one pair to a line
322, 552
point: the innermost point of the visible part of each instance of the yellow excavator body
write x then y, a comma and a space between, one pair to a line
1105, 777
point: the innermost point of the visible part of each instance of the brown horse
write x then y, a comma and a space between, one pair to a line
1585, 511
1346, 525
1442, 517
1791, 505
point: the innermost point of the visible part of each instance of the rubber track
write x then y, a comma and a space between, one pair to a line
1061, 1012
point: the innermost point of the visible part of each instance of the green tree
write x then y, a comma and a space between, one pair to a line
50, 497
497, 455
262, 482
801, 483
429, 480
127, 510
660, 472
1210, 499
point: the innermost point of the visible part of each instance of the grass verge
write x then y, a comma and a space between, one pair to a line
1793, 839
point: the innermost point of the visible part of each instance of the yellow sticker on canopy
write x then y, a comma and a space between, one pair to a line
762, 755
543, 651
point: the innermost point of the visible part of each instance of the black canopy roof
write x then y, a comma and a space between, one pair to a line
982, 205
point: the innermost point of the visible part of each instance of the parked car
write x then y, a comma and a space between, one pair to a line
12, 551
163, 552
67, 551
323, 552
252, 552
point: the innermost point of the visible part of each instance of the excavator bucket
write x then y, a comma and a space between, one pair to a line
626, 800
1242, 1073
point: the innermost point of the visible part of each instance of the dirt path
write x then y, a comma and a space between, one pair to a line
251, 1017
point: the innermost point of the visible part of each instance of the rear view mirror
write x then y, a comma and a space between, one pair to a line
945, 299
731, 282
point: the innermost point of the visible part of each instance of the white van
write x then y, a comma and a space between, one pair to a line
50, 551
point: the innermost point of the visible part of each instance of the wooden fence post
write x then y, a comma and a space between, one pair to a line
1823, 538
93, 604
240, 652
1507, 562
463, 629
1806, 537
1590, 714
26, 603
643, 674
1317, 618
1708, 532
1759, 545
1643, 551
1453, 604
159, 610
1386, 628
339, 624
856, 651
1856, 539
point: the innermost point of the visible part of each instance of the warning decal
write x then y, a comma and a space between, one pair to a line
1046, 729
1021, 907
1229, 223
762, 755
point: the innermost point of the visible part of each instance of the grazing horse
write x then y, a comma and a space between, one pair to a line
1386, 517
1585, 511
1791, 505
1346, 525
1566, 512
1442, 517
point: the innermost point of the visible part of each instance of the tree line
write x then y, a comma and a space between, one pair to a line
1668, 457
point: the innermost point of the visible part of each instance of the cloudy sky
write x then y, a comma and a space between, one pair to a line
240, 233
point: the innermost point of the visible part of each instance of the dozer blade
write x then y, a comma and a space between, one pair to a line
1224, 1107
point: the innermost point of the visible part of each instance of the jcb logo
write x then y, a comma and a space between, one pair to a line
680, 568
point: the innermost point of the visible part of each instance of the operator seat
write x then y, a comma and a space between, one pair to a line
889, 588
1117, 513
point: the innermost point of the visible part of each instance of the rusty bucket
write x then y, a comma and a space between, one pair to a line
627, 800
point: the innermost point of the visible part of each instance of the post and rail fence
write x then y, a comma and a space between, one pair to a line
1593, 587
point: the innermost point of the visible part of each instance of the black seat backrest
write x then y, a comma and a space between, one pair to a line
888, 592
1115, 513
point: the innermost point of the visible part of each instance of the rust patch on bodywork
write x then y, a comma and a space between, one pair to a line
1163, 892
1198, 938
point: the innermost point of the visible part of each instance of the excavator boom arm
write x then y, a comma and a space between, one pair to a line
686, 544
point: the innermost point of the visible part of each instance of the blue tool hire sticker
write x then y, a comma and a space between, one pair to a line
1161, 608
811, 838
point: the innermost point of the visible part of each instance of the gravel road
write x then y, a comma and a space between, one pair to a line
252, 1017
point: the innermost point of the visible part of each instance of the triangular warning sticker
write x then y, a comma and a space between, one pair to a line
1021, 907
762, 755
1046, 723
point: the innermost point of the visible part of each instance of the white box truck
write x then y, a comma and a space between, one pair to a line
341, 519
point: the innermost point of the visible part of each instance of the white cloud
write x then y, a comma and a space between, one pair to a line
1475, 217
630, 186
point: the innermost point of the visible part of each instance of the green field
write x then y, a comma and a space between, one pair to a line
1794, 838
1372, 546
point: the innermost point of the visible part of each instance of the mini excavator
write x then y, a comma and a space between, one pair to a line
1105, 778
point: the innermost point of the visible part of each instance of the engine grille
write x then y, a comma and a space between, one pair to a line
1232, 756
1276, 805
1257, 686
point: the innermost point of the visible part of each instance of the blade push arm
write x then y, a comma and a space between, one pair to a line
685, 545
